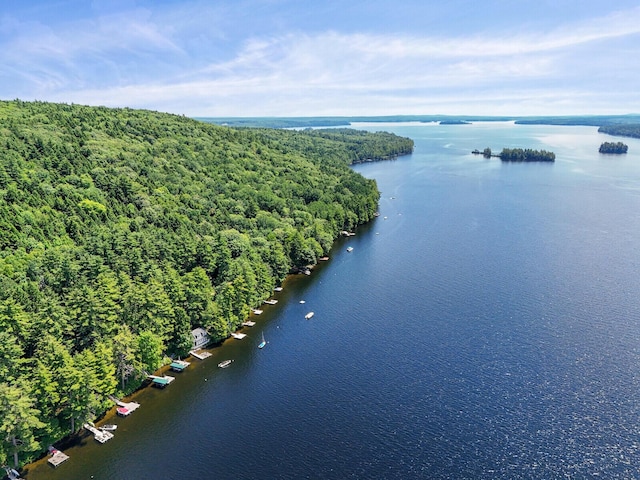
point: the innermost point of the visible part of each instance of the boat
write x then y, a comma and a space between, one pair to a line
278, 289
109, 427
309, 315
349, 249
263, 342
302, 301
225, 363
12, 473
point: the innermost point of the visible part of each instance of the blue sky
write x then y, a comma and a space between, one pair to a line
311, 58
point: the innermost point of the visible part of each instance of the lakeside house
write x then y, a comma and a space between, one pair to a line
199, 337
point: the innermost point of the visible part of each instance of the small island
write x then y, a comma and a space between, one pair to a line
519, 155
526, 155
454, 122
615, 148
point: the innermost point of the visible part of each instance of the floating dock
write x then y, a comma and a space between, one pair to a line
256, 311
248, 323
161, 382
57, 457
200, 354
271, 302
126, 408
179, 365
101, 436
238, 336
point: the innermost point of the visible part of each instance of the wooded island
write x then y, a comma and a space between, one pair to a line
123, 230
518, 155
613, 147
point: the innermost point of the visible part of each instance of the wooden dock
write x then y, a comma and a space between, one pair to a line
126, 408
256, 311
179, 365
57, 457
200, 354
238, 336
248, 323
101, 436
161, 382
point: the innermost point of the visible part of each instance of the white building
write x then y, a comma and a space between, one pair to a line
199, 337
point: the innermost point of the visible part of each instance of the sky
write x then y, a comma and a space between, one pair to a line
243, 58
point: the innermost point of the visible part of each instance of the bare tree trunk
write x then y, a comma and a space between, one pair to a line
14, 441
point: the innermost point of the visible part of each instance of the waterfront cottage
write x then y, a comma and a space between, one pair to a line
200, 338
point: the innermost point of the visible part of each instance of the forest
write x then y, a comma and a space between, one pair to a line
621, 130
526, 155
122, 230
613, 147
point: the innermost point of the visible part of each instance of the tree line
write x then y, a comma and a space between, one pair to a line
122, 230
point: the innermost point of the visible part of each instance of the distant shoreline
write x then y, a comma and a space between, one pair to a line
339, 121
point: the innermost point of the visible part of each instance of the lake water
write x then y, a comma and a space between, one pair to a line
485, 326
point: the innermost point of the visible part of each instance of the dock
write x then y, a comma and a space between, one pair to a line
161, 382
248, 323
179, 365
256, 311
271, 302
200, 354
57, 457
126, 408
101, 436
238, 336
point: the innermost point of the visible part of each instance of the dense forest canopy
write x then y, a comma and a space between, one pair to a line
613, 147
121, 230
526, 155
622, 130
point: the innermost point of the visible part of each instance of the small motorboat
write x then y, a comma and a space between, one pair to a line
309, 315
109, 427
225, 363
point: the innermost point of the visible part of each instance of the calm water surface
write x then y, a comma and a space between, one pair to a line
485, 326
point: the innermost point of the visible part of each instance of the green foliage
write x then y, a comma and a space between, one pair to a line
629, 130
611, 147
526, 155
122, 230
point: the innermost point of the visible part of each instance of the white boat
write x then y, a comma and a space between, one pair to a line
225, 363
302, 301
109, 427
349, 249
263, 342
278, 289
309, 315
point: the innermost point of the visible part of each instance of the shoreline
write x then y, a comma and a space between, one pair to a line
78, 438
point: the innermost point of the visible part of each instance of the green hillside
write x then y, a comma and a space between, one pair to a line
121, 230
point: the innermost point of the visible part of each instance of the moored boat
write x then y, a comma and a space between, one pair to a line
225, 363
309, 315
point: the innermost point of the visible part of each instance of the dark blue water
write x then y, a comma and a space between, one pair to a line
487, 328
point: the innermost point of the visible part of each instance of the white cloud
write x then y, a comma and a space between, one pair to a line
327, 72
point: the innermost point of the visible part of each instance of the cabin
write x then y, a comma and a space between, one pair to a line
200, 338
